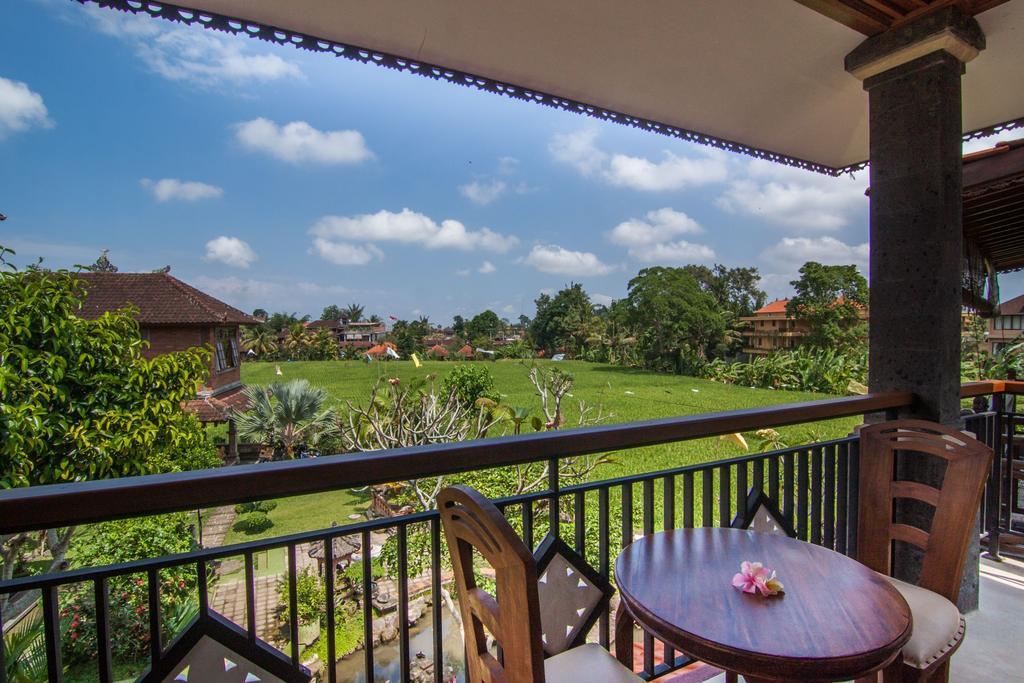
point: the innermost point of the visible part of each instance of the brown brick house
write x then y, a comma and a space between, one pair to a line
174, 316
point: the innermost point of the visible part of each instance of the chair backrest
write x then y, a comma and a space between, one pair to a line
472, 524
956, 501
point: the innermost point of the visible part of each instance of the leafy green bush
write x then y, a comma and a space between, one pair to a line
125, 541
310, 603
265, 506
469, 382
253, 523
805, 369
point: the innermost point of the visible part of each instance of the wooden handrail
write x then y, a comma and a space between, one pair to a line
991, 386
61, 505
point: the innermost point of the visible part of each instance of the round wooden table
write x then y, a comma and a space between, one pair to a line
836, 620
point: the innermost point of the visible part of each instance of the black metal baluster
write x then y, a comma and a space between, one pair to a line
772, 488
104, 660
724, 496
250, 597
853, 500
759, 475
528, 524
580, 523
803, 482
842, 497
435, 592
707, 494
647, 491
553, 485
51, 626
155, 637
3, 656
403, 602
368, 604
688, 501
830, 497
604, 627
627, 514
668, 514
202, 579
293, 603
648, 504
816, 478
741, 487
332, 655
788, 467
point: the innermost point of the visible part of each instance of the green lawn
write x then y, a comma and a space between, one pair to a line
307, 513
626, 393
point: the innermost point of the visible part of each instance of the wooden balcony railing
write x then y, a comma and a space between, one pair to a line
815, 486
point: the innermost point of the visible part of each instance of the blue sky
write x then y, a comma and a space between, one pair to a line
275, 178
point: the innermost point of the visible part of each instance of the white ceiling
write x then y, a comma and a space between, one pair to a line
768, 74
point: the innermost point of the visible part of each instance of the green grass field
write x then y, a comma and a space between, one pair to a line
627, 394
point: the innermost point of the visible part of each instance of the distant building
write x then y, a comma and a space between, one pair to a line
174, 316
361, 335
1007, 326
772, 329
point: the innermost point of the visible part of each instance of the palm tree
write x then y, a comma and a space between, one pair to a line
287, 414
297, 341
260, 340
352, 313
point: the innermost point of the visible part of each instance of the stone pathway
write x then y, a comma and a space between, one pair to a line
229, 599
216, 523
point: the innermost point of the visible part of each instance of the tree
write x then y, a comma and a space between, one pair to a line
676, 321
486, 324
831, 300
323, 346
332, 312
459, 326
353, 313
408, 336
282, 321
285, 415
297, 342
561, 317
736, 290
78, 400
260, 314
259, 339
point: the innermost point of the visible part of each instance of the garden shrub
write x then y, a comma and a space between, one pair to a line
253, 523
265, 506
469, 382
310, 602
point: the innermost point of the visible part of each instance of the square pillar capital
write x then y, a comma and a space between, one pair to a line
948, 31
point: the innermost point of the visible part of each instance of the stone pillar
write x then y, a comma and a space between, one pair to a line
232, 442
912, 76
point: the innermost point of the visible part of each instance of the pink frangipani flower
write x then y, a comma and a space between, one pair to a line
754, 577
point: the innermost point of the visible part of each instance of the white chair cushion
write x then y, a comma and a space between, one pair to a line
938, 626
588, 663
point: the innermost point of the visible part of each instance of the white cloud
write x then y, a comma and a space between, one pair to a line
167, 189
230, 250
193, 54
345, 254
560, 261
411, 227
486, 268
507, 165
601, 299
299, 142
672, 253
673, 172
21, 108
795, 198
483, 193
463, 272
793, 252
661, 225
579, 151
238, 288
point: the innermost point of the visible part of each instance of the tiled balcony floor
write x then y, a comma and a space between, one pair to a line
993, 649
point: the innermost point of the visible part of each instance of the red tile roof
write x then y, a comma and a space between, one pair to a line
160, 298
1013, 306
777, 306
218, 408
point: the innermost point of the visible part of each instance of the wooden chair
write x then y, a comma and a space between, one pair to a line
512, 617
938, 625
